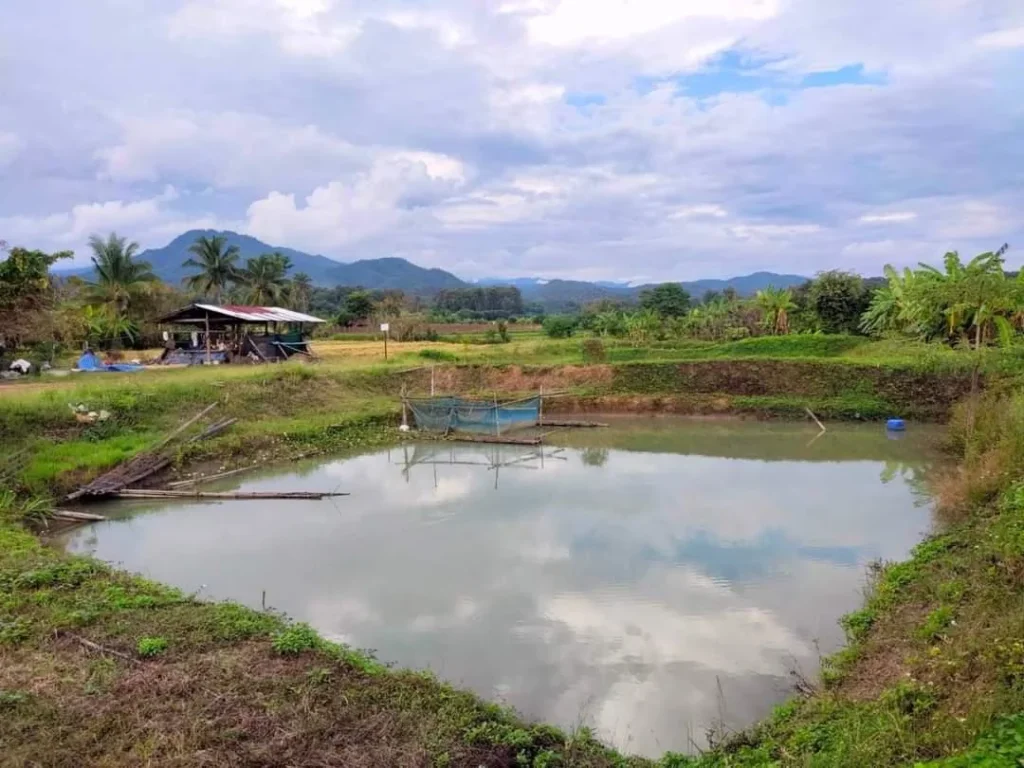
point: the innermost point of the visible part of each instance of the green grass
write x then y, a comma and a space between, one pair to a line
934, 673
946, 623
165, 677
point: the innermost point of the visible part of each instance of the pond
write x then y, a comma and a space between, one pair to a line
650, 580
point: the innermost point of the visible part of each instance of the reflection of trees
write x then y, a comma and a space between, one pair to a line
918, 477
594, 457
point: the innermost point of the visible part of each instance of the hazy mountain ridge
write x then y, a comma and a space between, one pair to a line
391, 273
378, 274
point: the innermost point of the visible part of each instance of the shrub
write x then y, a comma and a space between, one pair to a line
437, 354
296, 639
560, 326
151, 646
593, 351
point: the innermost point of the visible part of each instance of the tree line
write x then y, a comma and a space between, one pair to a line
972, 303
976, 302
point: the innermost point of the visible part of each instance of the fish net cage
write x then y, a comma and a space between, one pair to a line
460, 414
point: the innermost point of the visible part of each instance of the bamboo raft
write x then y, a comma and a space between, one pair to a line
150, 462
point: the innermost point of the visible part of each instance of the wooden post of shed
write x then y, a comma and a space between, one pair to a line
208, 359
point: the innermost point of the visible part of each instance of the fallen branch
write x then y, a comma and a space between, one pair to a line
101, 648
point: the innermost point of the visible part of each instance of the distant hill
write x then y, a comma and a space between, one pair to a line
561, 295
398, 274
746, 285
375, 274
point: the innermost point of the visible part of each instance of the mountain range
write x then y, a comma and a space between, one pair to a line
399, 274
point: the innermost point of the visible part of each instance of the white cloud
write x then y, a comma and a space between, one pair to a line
151, 221
1003, 38
895, 217
704, 210
301, 27
10, 147
557, 137
343, 212
572, 22
757, 231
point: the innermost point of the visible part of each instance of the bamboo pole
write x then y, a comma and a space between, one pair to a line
816, 421
65, 514
183, 427
176, 494
208, 478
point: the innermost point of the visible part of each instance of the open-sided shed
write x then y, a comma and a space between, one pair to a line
220, 334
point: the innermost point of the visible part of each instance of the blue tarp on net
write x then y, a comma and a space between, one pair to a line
441, 414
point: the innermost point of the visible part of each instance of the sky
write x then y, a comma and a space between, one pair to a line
632, 140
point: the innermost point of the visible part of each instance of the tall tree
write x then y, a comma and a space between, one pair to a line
300, 291
667, 299
217, 262
838, 299
121, 281
358, 305
26, 293
265, 278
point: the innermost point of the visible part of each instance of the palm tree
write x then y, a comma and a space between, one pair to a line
300, 291
217, 266
776, 304
265, 278
120, 280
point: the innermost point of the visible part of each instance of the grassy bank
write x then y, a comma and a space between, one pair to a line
286, 410
98, 667
934, 671
101, 668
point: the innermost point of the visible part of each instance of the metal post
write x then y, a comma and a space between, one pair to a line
386, 344
431, 381
540, 407
497, 424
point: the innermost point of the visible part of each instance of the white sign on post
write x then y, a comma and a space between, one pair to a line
385, 327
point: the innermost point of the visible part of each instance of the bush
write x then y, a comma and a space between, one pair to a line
149, 647
593, 351
560, 326
437, 354
296, 639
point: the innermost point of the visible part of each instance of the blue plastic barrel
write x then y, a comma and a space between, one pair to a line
895, 425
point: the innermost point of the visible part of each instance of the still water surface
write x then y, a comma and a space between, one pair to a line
647, 580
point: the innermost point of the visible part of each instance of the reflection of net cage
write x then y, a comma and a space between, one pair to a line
459, 414
487, 457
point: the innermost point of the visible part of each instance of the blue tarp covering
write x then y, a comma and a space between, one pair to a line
456, 413
91, 363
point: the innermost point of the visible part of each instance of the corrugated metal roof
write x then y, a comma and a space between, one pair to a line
195, 313
261, 314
